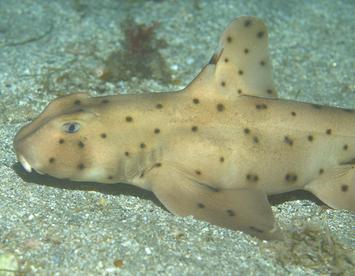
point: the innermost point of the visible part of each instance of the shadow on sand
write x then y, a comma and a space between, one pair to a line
126, 189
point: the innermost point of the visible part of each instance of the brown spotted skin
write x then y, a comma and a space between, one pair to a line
213, 150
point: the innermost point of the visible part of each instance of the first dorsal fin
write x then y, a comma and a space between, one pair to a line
242, 65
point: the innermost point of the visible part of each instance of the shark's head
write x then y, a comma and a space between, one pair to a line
69, 140
56, 142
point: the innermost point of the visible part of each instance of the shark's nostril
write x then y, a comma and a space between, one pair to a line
24, 163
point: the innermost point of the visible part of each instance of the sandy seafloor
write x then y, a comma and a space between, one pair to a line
51, 227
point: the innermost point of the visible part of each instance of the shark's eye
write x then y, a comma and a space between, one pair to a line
71, 127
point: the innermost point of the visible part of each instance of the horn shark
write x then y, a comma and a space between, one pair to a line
214, 150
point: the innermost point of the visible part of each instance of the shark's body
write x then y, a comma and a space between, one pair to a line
214, 150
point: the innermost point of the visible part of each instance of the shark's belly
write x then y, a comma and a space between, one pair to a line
284, 146
274, 159
280, 165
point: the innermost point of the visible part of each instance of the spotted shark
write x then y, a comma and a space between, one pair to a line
214, 150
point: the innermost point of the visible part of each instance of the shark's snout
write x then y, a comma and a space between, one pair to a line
25, 152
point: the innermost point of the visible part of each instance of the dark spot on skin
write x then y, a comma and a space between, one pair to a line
260, 34
198, 172
262, 63
229, 39
196, 101
269, 91
246, 50
247, 23
345, 147
310, 138
288, 140
240, 72
344, 188
81, 144
157, 165
51, 160
256, 229
105, 101
321, 171
239, 91
252, 177
328, 131
61, 141
246, 130
230, 213
316, 106
221, 159
220, 107
159, 106
81, 166
103, 135
142, 175
255, 139
200, 205
126, 153
110, 177
77, 102
223, 83
293, 113
291, 177
194, 128
129, 119
261, 106
157, 130
142, 145
226, 60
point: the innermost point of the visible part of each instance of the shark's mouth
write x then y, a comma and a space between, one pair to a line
25, 163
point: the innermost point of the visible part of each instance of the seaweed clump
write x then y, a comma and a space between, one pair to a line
139, 56
316, 249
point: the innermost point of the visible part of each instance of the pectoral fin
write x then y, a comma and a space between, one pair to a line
336, 187
247, 210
